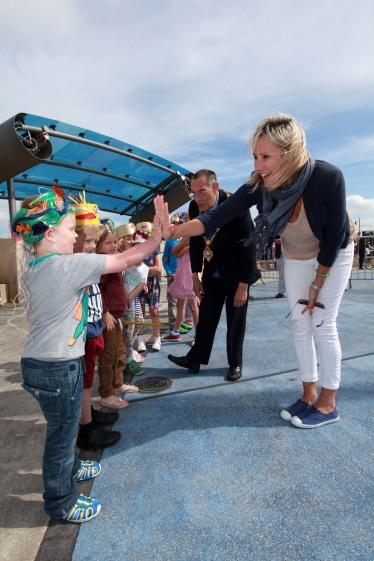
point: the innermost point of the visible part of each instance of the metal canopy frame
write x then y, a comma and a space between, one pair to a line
126, 193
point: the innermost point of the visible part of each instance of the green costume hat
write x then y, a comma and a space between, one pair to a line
109, 227
42, 213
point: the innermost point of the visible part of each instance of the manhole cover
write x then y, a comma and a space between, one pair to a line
155, 384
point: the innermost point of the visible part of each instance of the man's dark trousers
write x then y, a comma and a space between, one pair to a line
215, 296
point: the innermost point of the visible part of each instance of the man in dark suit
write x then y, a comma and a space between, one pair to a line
229, 270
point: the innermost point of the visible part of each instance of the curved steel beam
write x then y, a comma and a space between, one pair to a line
107, 147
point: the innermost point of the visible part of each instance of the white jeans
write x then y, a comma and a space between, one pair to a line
305, 327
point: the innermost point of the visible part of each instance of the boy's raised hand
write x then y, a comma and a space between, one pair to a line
162, 212
157, 230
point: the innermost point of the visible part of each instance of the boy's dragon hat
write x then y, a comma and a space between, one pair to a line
42, 213
85, 213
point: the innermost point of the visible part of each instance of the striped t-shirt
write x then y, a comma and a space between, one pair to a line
95, 323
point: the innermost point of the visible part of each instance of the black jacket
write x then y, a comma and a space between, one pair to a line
234, 262
325, 207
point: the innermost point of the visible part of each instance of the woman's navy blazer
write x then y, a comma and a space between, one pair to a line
325, 207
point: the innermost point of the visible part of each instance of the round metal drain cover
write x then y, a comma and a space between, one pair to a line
155, 384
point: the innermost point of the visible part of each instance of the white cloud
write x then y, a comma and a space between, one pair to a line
362, 211
187, 80
352, 150
173, 79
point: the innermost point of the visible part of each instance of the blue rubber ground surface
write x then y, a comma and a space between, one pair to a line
213, 473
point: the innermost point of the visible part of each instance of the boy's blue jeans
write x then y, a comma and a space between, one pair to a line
58, 387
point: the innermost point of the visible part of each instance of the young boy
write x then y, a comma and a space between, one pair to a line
135, 279
56, 283
90, 434
115, 302
125, 234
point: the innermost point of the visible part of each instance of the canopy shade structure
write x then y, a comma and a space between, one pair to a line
117, 176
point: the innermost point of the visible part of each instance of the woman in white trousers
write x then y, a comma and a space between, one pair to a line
303, 201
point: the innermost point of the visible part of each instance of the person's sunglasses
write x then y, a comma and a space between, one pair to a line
306, 303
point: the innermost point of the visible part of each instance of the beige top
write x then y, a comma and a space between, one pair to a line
352, 229
298, 240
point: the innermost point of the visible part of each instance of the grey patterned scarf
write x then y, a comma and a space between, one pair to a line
270, 222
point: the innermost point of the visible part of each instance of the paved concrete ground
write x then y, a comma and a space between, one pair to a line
208, 470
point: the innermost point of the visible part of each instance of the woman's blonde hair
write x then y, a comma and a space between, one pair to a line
287, 134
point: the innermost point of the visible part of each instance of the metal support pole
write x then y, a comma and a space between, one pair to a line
11, 197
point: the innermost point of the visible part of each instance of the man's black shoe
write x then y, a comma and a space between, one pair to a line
99, 438
102, 419
185, 363
279, 295
234, 373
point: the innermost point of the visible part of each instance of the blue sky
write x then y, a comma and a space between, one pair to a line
188, 80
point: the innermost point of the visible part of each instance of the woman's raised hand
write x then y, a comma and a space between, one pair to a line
162, 213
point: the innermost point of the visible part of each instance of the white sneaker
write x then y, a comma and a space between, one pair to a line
141, 346
137, 357
157, 345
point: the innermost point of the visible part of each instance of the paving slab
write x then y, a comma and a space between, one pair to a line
22, 518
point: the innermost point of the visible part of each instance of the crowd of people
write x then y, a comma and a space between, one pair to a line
87, 284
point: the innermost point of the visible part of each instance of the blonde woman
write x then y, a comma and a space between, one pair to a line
303, 200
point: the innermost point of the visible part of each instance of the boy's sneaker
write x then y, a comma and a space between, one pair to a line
87, 471
295, 409
313, 418
172, 338
187, 325
141, 346
182, 330
102, 419
84, 510
137, 357
98, 438
134, 368
157, 344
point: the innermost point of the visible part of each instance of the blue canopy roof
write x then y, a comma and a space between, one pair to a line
118, 176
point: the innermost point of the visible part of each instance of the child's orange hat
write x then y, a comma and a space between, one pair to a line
85, 213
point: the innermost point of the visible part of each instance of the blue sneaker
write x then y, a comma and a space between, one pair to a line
84, 510
88, 470
313, 418
295, 409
